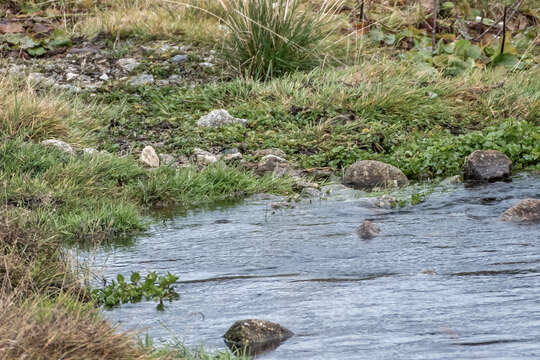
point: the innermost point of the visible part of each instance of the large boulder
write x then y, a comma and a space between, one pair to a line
255, 336
487, 166
370, 174
149, 157
219, 118
523, 211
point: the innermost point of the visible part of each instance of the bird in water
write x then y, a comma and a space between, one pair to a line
368, 230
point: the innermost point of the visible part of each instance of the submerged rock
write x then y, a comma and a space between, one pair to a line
368, 230
487, 166
149, 157
281, 205
370, 174
219, 118
255, 336
59, 144
524, 211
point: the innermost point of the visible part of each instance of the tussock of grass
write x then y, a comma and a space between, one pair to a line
40, 329
268, 38
34, 114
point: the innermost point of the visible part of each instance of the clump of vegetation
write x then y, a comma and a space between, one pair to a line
268, 39
38, 328
151, 288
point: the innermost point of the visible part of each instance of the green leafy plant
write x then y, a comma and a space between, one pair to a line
269, 38
33, 47
151, 288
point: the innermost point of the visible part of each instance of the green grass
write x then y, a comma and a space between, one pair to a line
96, 197
268, 39
391, 110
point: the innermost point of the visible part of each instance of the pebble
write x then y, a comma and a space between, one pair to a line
178, 59
143, 79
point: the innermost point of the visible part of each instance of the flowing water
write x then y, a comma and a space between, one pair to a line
444, 280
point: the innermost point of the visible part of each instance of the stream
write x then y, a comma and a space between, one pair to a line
445, 279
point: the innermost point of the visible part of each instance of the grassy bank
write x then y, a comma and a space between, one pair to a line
351, 84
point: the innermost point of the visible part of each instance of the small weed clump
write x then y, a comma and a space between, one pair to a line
151, 288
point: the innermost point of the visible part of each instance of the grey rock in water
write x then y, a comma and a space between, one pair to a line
370, 174
59, 144
219, 118
281, 205
368, 230
143, 79
527, 210
149, 157
487, 166
255, 336
310, 192
128, 64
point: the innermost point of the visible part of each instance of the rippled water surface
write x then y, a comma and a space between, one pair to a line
444, 280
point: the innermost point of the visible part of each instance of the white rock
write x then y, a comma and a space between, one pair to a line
232, 156
40, 78
104, 77
90, 151
205, 157
59, 144
70, 76
128, 64
149, 157
206, 64
143, 79
219, 118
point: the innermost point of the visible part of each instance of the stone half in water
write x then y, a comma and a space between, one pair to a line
252, 337
487, 166
368, 230
527, 210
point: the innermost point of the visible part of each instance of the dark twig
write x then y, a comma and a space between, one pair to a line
361, 6
516, 6
434, 28
504, 31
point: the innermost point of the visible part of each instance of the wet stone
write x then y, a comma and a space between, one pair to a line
487, 166
370, 175
527, 210
255, 336
368, 230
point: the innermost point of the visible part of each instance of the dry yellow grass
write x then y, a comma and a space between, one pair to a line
161, 19
40, 329
37, 113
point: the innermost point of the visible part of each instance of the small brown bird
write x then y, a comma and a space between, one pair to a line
368, 230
